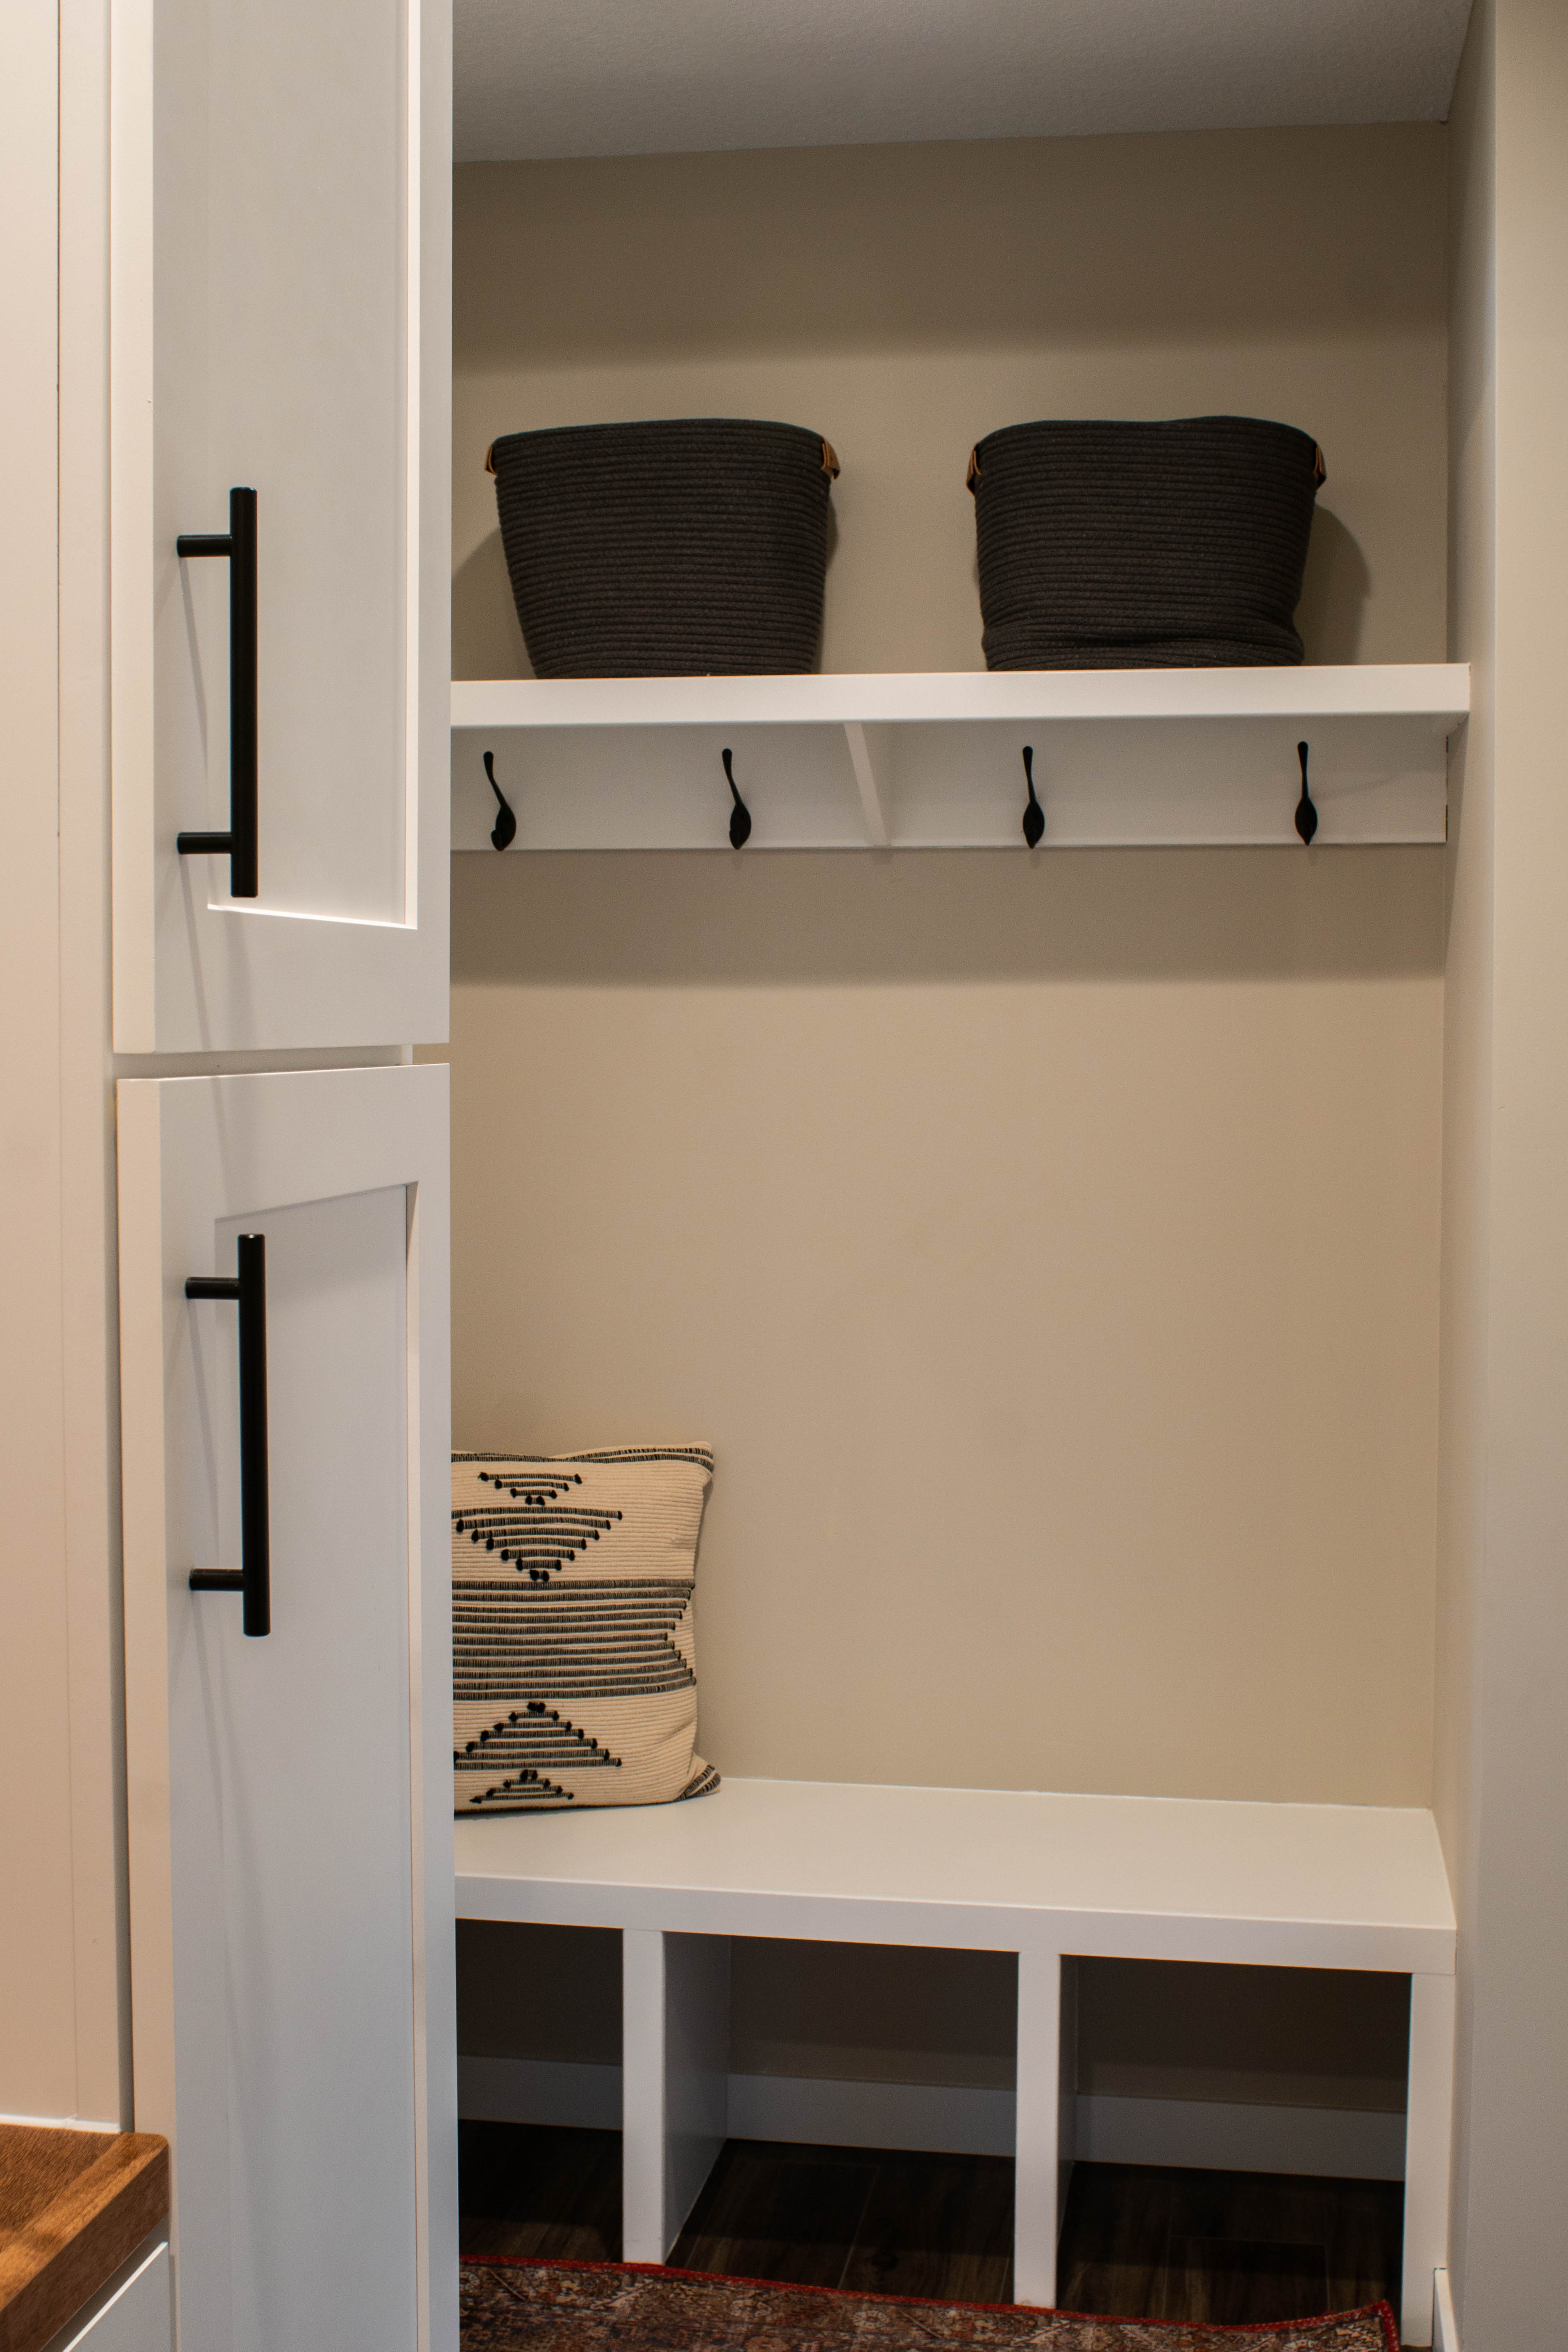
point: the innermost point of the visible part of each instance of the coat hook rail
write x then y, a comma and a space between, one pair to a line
1033, 815
1306, 814
740, 816
505, 831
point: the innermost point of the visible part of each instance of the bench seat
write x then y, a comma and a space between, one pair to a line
1345, 1886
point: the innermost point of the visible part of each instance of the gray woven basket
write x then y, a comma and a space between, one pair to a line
686, 547
1130, 546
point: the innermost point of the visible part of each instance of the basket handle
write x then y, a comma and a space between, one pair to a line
830, 466
1320, 471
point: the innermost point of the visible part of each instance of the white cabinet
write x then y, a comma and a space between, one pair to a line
135, 2317
289, 1794
279, 586
280, 259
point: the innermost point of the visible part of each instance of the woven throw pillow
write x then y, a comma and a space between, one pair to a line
573, 1650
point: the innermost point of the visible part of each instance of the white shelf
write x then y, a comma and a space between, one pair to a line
1122, 758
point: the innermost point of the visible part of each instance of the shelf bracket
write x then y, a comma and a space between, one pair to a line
870, 754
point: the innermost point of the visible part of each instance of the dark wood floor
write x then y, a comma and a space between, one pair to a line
524, 2189
1138, 2241
877, 2219
1142, 2242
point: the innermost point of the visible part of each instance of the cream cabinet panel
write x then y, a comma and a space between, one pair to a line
279, 331
289, 1791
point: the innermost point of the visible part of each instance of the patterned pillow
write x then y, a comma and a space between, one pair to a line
573, 1650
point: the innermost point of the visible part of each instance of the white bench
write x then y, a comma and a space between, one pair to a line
1334, 1886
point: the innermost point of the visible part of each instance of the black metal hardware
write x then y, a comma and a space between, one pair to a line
1306, 814
1033, 815
505, 832
740, 816
238, 844
253, 1578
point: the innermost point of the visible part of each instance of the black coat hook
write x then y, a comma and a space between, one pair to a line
740, 816
1306, 814
505, 832
1033, 815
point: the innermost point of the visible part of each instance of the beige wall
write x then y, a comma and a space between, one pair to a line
1050, 1257
63, 1989
1050, 1252
1504, 1756
38, 2072
906, 300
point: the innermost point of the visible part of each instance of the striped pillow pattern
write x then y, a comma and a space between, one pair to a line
573, 1645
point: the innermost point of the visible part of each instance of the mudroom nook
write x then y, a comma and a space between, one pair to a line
1042, 1230
783, 1175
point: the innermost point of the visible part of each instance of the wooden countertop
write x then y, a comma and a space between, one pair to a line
73, 2205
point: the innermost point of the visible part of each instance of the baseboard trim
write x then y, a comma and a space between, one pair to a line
965, 2121
1226, 2136
1222, 2134
1445, 2327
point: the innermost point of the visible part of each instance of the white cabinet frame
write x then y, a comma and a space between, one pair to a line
193, 1151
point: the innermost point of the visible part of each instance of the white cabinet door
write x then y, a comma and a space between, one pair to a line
280, 260
289, 1796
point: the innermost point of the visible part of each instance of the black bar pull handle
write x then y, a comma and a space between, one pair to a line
253, 1578
238, 844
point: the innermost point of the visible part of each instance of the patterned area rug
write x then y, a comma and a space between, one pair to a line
541, 2306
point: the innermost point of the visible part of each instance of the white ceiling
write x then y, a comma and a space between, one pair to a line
538, 78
